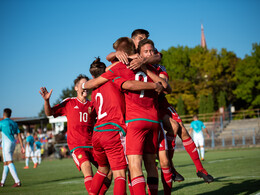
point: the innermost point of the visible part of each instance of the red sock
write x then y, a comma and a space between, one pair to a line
152, 184
105, 186
138, 185
120, 186
166, 176
97, 182
130, 185
87, 182
192, 151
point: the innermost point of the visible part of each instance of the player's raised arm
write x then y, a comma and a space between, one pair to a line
94, 83
46, 96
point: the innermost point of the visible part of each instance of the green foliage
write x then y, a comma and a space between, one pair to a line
222, 99
202, 105
196, 72
210, 104
180, 106
248, 79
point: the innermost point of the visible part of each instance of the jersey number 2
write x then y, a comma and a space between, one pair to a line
100, 116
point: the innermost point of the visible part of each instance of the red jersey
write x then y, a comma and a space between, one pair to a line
80, 121
109, 104
140, 105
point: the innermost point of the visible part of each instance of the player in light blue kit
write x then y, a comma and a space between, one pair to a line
38, 147
197, 126
9, 128
29, 151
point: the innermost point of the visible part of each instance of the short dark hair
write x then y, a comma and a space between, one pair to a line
140, 31
81, 76
97, 68
124, 44
8, 112
143, 42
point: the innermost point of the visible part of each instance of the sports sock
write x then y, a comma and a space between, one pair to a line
105, 186
138, 185
97, 182
198, 150
34, 159
27, 162
166, 176
5, 173
39, 160
202, 152
192, 151
13, 172
130, 184
120, 186
87, 182
152, 184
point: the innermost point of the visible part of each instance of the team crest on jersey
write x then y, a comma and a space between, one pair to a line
89, 110
79, 156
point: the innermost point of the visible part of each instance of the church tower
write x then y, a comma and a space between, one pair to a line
203, 40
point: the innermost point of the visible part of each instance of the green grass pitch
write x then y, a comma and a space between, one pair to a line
236, 171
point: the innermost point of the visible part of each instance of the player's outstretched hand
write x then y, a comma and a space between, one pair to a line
122, 57
45, 94
159, 87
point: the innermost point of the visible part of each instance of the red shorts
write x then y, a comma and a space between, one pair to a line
80, 155
109, 150
142, 137
166, 108
162, 139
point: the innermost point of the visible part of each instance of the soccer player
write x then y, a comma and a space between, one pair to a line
80, 117
137, 35
110, 128
29, 151
173, 124
38, 147
142, 119
8, 129
196, 126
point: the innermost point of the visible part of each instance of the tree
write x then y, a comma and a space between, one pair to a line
210, 104
202, 105
248, 79
180, 106
222, 100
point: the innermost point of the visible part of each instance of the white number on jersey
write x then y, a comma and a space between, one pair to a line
83, 117
137, 78
100, 116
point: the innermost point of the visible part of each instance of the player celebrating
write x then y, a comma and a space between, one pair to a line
196, 126
80, 116
110, 128
9, 128
172, 122
29, 151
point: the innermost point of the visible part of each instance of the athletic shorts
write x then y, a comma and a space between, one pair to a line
108, 149
166, 108
142, 137
8, 150
198, 139
38, 153
29, 151
81, 155
163, 145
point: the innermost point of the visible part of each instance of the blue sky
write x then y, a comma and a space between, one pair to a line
49, 42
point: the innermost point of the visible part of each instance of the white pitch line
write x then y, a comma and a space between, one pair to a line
216, 161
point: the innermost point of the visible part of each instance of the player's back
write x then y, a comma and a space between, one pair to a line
139, 104
8, 128
109, 104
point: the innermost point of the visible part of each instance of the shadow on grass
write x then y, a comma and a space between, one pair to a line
246, 187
